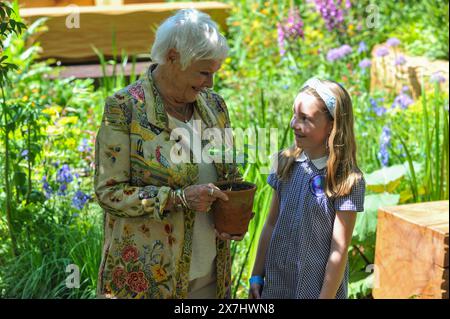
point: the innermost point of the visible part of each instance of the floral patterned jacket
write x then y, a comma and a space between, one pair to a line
147, 250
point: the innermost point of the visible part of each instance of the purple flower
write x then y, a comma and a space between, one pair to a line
379, 110
79, 200
84, 148
400, 60
402, 100
346, 49
56, 164
393, 42
281, 40
339, 53
64, 175
385, 141
365, 63
348, 4
382, 51
331, 14
437, 77
362, 47
46, 187
290, 29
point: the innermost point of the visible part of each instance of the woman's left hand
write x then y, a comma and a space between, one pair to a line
225, 236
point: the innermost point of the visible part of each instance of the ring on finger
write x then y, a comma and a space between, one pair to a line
211, 191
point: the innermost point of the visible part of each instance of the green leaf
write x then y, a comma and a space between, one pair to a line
366, 222
3, 27
388, 178
20, 178
362, 286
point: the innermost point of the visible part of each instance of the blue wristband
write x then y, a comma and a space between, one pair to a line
257, 280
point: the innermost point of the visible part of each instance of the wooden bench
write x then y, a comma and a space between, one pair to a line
131, 25
411, 255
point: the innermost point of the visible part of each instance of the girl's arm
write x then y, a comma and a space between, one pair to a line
264, 240
342, 236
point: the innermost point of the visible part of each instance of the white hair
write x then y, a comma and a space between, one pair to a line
193, 35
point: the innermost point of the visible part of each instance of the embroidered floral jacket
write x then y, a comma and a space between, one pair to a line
147, 250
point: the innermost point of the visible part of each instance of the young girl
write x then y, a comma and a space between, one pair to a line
318, 188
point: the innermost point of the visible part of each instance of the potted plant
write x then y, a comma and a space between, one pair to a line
233, 216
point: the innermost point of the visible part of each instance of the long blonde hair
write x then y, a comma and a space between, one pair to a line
342, 169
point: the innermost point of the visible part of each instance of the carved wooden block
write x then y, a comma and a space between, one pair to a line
411, 256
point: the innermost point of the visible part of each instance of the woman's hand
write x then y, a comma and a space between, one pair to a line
255, 291
201, 197
225, 236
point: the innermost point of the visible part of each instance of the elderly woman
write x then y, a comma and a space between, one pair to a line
160, 240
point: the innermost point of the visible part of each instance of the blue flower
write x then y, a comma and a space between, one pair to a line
437, 77
24, 154
64, 175
80, 199
379, 110
62, 189
402, 100
84, 147
385, 141
362, 47
48, 191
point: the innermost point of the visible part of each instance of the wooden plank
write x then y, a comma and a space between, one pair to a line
411, 258
133, 26
54, 3
95, 70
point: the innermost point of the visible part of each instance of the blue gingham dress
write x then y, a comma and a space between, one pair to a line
300, 245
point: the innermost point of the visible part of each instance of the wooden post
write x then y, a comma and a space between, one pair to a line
411, 256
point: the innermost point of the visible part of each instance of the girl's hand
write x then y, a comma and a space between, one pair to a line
201, 197
255, 291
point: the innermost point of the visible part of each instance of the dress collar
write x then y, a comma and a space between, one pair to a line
319, 163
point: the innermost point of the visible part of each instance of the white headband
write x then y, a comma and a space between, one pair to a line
325, 94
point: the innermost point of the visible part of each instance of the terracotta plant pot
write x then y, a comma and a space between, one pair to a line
233, 216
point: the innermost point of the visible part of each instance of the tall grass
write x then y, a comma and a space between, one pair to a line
117, 79
434, 184
40, 271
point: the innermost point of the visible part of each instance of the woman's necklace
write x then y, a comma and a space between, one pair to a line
188, 108
186, 115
